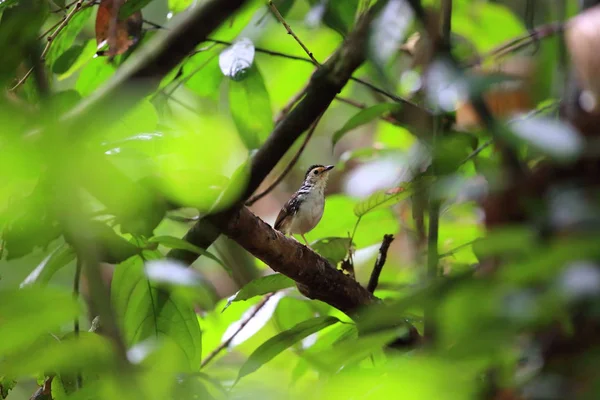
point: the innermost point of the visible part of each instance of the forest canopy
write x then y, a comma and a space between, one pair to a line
150, 148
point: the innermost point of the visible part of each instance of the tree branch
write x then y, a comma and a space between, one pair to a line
385, 245
326, 82
315, 276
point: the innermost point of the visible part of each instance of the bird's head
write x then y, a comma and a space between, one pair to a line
317, 175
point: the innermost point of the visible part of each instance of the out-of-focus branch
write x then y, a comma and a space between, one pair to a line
385, 245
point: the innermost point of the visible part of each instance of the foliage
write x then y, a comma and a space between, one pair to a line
96, 216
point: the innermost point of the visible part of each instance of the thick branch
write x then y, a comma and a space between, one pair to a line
316, 277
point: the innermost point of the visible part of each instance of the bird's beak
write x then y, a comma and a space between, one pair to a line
329, 167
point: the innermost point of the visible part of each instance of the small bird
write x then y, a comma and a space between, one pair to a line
304, 210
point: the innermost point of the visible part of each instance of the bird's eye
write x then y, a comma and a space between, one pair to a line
316, 172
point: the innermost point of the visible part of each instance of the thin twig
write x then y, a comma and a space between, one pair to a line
290, 104
288, 168
76, 279
50, 39
518, 43
291, 32
374, 280
245, 322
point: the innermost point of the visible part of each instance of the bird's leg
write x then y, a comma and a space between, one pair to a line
305, 241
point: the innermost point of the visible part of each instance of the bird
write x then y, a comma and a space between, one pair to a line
304, 209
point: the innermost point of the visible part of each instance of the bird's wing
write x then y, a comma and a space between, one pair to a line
287, 212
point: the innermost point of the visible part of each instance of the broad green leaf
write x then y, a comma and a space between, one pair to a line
291, 311
6, 385
234, 25
173, 242
60, 257
131, 6
236, 60
112, 247
203, 75
339, 14
387, 198
363, 117
87, 54
250, 107
272, 347
65, 61
334, 249
144, 312
65, 39
260, 286
93, 75
350, 350
27, 314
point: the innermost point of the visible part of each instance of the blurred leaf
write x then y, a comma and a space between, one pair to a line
173, 242
57, 259
111, 247
6, 385
30, 224
260, 286
236, 60
130, 7
291, 311
148, 312
363, 117
389, 28
19, 31
66, 60
93, 75
559, 140
64, 41
61, 102
127, 32
203, 74
272, 347
234, 25
28, 313
88, 51
350, 350
334, 249
385, 198
339, 14
251, 108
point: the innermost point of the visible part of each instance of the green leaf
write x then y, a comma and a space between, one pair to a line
363, 117
66, 60
387, 198
27, 314
250, 107
260, 286
148, 312
203, 75
132, 6
93, 75
339, 14
6, 385
291, 311
60, 257
334, 249
112, 247
272, 347
351, 350
65, 39
173, 242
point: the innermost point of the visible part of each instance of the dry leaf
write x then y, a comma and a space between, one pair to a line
119, 35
